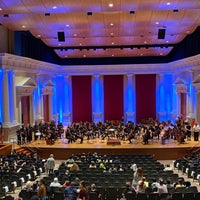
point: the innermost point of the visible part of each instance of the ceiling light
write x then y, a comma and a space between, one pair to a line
111, 24
67, 25
157, 23
113, 55
39, 35
23, 26
75, 34
84, 55
110, 5
1, 9
161, 54
141, 54
167, 41
54, 7
59, 44
111, 34
145, 42
168, 3
66, 56
112, 43
80, 44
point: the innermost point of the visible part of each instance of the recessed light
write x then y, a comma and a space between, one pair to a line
59, 44
111, 24
168, 3
1, 9
141, 54
112, 43
80, 44
167, 41
110, 5
54, 7
67, 25
84, 55
39, 36
157, 23
113, 55
66, 56
145, 42
111, 34
161, 54
75, 34
23, 26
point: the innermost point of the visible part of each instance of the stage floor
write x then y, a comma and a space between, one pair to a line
168, 151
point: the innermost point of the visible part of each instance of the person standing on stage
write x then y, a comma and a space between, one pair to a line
196, 129
50, 164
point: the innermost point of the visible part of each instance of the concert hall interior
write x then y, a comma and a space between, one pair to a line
111, 77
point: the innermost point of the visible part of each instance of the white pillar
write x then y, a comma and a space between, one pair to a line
6, 100
129, 98
67, 115
97, 98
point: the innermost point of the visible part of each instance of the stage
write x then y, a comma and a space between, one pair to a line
62, 150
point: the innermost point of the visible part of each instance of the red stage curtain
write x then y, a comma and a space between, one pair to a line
113, 97
81, 98
46, 107
145, 96
25, 105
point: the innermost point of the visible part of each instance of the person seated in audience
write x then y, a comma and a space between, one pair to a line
92, 164
70, 160
70, 192
179, 184
55, 183
128, 189
141, 186
74, 167
162, 188
154, 185
112, 169
169, 183
102, 165
26, 192
42, 191
93, 189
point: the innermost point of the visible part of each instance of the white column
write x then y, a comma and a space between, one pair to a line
6, 106
50, 106
129, 98
14, 99
97, 98
67, 115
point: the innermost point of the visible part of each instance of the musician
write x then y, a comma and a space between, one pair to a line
196, 129
188, 131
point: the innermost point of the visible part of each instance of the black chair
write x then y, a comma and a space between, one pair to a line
59, 196
142, 196
165, 196
130, 196
197, 196
177, 196
154, 196
191, 189
92, 196
189, 196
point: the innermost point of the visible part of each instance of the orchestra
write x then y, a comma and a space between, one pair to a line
139, 133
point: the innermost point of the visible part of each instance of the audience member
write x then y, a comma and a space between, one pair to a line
83, 193
70, 192
50, 164
55, 183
